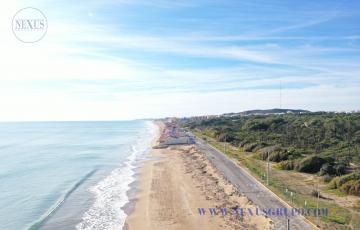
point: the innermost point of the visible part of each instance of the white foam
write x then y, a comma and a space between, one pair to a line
111, 193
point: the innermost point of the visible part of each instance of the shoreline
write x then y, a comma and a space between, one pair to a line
119, 201
134, 187
173, 183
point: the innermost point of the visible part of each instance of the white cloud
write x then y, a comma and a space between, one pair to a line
103, 84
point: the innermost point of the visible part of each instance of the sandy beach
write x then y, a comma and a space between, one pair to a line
176, 183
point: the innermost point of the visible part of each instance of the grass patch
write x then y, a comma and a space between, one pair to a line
337, 215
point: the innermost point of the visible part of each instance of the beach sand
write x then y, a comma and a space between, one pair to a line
179, 181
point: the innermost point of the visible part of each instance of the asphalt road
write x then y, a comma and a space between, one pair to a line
252, 188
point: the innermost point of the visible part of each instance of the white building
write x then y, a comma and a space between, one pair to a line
178, 140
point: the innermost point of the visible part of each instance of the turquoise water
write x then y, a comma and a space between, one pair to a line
82, 167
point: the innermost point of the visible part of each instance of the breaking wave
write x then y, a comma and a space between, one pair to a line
111, 193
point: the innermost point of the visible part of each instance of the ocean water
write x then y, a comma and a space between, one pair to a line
69, 175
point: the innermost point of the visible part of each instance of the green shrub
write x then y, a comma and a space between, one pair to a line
351, 187
346, 178
327, 169
258, 126
334, 183
279, 156
340, 169
250, 147
311, 164
337, 182
259, 146
327, 178
228, 137
243, 143
276, 154
285, 165
296, 152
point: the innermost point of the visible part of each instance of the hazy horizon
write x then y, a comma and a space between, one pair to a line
155, 118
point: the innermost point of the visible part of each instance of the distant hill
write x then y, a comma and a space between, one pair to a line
266, 112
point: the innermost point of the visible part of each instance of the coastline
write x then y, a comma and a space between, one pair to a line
115, 193
173, 183
135, 186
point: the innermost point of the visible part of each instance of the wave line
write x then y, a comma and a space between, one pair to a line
36, 225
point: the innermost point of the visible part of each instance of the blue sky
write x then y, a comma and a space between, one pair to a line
130, 59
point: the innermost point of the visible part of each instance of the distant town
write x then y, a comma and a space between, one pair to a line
173, 134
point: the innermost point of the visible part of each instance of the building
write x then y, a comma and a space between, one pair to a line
185, 140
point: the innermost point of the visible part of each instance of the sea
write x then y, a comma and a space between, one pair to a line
69, 175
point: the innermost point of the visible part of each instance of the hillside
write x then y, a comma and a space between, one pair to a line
266, 112
326, 144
